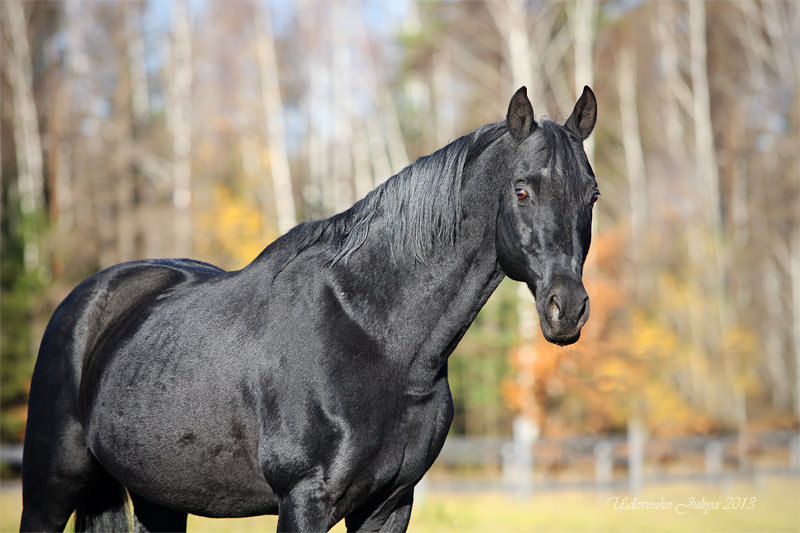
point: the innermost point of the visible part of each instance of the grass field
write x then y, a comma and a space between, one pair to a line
769, 506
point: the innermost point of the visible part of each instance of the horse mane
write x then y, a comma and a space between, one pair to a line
561, 156
421, 205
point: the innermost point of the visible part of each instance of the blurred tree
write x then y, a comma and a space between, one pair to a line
584, 28
269, 78
179, 116
27, 140
23, 210
155, 123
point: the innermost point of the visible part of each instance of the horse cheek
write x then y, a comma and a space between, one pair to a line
509, 249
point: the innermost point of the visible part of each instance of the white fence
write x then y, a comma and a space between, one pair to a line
528, 463
624, 461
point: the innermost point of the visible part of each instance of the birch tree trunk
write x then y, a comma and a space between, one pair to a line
795, 277
442, 112
386, 144
634, 159
393, 134
71, 175
677, 99
342, 183
584, 15
121, 123
359, 150
677, 103
795, 257
510, 18
60, 152
706, 159
275, 125
627, 81
708, 180
554, 53
30, 166
317, 102
180, 114
380, 167
140, 96
140, 110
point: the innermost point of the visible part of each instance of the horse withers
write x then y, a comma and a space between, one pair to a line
313, 382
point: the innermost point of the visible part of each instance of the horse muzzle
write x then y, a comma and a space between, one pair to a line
564, 310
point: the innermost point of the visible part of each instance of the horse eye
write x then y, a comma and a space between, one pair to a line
522, 194
595, 197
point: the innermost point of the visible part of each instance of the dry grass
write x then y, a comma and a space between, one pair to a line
776, 507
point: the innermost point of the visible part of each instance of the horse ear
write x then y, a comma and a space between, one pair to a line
520, 115
581, 121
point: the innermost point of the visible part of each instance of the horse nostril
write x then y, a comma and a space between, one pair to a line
584, 314
553, 309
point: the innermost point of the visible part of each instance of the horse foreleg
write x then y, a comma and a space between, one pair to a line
398, 520
306, 508
389, 515
151, 518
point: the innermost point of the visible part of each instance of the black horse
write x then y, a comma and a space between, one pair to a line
313, 382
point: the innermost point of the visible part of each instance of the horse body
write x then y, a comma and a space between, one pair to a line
197, 403
307, 384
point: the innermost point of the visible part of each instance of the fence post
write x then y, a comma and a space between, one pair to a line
603, 463
421, 491
508, 466
794, 453
518, 458
636, 438
713, 452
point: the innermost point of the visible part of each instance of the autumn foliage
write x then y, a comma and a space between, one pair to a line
119, 145
623, 364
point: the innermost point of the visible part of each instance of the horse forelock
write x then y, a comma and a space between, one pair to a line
561, 157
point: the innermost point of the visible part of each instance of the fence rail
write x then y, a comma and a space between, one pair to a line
617, 461
592, 462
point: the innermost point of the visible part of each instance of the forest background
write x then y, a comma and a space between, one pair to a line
206, 129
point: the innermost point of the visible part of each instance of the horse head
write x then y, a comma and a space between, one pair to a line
545, 212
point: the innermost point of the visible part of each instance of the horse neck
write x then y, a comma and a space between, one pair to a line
420, 310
